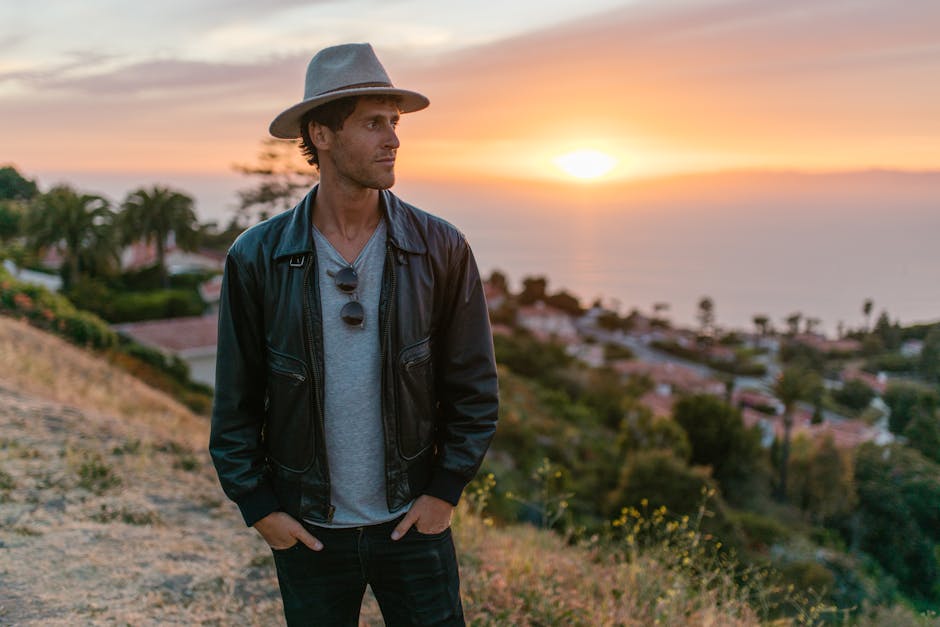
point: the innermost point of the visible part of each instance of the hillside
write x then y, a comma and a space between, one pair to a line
110, 513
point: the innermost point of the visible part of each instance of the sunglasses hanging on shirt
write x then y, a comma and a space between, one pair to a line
347, 281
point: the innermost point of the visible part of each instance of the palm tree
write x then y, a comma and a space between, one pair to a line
867, 306
760, 323
706, 315
791, 385
152, 215
78, 226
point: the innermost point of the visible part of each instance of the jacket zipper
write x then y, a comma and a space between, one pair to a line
293, 375
317, 382
411, 363
388, 412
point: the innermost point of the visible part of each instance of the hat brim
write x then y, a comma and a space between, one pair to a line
287, 124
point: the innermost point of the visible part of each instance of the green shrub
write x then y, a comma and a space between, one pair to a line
87, 329
54, 312
854, 394
170, 364
94, 474
759, 531
156, 305
6, 481
808, 575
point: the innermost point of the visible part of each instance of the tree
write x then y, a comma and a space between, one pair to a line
867, 307
662, 479
930, 356
533, 290
11, 218
498, 281
15, 193
792, 385
14, 186
811, 324
854, 394
793, 322
706, 315
720, 440
905, 400
890, 334
760, 324
821, 484
640, 430
152, 215
280, 175
566, 302
923, 434
899, 514
78, 226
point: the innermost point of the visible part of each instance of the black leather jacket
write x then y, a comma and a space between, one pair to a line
439, 388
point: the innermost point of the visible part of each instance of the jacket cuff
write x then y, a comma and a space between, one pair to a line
446, 485
257, 504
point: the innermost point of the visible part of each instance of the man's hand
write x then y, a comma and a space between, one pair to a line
282, 531
429, 514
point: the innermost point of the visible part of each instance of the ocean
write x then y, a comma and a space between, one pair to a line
755, 243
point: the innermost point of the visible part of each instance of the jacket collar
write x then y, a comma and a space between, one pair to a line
297, 237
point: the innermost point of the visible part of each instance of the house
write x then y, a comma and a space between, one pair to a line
877, 382
845, 434
912, 348
495, 296
51, 282
669, 380
590, 354
844, 346
547, 323
759, 401
211, 292
670, 377
178, 261
192, 339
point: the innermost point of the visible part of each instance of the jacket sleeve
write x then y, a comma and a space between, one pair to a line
238, 408
466, 379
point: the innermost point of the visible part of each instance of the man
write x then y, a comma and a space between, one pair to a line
356, 390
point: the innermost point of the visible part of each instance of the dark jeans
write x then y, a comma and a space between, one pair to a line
414, 579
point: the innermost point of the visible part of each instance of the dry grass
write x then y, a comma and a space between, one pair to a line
43, 365
523, 576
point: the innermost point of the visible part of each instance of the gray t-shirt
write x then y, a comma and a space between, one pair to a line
352, 382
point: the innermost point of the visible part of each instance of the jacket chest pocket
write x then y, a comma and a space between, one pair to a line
288, 425
417, 411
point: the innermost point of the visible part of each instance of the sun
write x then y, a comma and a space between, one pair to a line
585, 164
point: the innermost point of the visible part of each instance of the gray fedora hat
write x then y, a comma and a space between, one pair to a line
337, 72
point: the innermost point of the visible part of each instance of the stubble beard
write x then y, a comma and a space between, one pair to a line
370, 175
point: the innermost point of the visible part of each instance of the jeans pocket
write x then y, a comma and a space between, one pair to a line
430, 536
295, 546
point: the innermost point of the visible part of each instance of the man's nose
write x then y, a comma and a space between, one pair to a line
391, 138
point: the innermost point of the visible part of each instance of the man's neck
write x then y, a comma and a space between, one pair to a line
345, 213
346, 216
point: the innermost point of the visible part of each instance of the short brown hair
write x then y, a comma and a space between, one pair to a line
331, 115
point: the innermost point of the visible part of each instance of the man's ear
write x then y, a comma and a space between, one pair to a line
321, 136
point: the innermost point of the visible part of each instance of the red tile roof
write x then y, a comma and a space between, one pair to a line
175, 334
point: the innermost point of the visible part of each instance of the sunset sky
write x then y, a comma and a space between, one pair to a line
109, 96
189, 87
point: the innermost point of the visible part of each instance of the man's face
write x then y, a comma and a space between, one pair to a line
363, 151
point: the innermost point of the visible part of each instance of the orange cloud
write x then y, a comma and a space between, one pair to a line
663, 87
